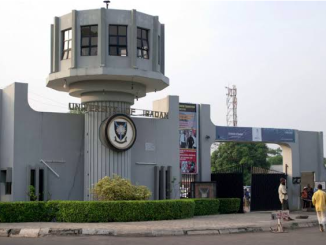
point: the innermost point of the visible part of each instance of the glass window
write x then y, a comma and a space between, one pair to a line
142, 43
118, 40
89, 40
66, 44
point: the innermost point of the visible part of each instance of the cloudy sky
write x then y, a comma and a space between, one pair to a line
274, 52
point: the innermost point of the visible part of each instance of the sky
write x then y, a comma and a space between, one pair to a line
274, 52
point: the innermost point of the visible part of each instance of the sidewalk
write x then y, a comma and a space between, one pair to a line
213, 224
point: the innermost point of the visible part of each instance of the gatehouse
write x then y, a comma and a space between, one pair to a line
109, 58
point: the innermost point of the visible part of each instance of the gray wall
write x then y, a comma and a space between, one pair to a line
29, 136
163, 134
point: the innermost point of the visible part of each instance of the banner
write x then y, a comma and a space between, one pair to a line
268, 135
233, 133
188, 138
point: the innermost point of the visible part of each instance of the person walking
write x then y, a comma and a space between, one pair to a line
319, 201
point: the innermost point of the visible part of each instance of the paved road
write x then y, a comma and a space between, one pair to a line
296, 237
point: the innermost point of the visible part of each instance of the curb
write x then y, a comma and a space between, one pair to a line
42, 232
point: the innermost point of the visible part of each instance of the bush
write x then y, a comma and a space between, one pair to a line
94, 211
114, 211
117, 188
229, 205
24, 212
206, 206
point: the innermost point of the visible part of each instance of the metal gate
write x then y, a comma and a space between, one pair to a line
264, 189
229, 183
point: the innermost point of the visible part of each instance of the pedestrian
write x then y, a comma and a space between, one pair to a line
319, 201
283, 195
247, 197
310, 192
304, 197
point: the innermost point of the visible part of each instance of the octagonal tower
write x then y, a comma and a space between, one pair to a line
110, 58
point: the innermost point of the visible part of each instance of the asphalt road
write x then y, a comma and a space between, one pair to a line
297, 237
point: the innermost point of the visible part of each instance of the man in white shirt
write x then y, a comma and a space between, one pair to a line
283, 195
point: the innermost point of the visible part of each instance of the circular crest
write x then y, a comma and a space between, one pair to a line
118, 132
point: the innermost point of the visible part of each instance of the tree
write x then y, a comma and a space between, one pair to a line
275, 156
231, 153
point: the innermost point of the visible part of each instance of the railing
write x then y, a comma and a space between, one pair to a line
185, 187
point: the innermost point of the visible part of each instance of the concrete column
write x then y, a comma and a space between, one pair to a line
154, 52
162, 49
102, 47
56, 45
74, 50
133, 40
101, 161
162, 183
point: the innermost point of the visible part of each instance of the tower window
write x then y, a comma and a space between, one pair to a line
118, 40
142, 43
89, 36
66, 44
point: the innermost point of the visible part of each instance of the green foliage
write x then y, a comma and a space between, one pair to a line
123, 211
24, 212
31, 193
114, 211
117, 188
229, 205
231, 153
325, 162
95, 211
206, 206
275, 156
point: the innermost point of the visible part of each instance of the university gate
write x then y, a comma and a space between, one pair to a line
264, 186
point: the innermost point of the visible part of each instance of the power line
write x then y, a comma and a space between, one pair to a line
47, 103
42, 96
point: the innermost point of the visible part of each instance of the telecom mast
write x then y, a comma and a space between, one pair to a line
232, 106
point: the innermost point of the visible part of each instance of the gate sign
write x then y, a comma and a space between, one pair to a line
246, 134
281, 214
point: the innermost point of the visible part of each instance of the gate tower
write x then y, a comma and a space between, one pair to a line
106, 57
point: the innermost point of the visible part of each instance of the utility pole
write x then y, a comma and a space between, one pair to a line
232, 106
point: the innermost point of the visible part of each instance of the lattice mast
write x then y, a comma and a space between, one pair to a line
232, 106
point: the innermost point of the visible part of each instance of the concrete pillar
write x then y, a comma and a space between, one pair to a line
101, 161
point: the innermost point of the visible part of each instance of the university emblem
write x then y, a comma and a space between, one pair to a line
118, 132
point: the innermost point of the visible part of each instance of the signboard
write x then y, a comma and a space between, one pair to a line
233, 133
118, 132
269, 135
281, 214
278, 135
85, 108
188, 130
323, 184
256, 134
203, 189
